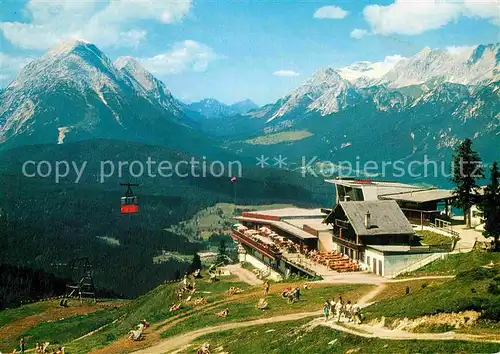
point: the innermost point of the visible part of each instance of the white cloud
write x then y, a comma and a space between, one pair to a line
11, 65
106, 24
330, 12
411, 17
184, 56
285, 73
392, 60
358, 33
458, 50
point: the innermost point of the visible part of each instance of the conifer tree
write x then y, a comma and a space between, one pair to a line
491, 206
467, 169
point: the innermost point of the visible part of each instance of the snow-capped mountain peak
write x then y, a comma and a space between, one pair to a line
468, 66
145, 83
91, 95
133, 69
365, 73
77, 62
69, 45
317, 93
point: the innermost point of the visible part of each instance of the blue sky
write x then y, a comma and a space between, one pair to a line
231, 50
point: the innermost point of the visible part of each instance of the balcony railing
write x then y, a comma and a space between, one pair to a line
347, 243
256, 245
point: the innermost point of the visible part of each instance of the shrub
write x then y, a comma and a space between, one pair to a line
477, 274
493, 288
467, 303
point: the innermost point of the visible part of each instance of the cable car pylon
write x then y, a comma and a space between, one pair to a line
129, 203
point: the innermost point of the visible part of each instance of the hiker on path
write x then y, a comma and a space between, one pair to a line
21, 345
356, 311
326, 310
338, 309
348, 311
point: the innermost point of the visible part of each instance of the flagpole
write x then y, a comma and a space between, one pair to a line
233, 180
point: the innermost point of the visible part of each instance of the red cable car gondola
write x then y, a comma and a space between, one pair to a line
129, 203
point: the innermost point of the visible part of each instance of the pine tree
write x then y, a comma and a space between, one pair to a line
221, 257
195, 263
491, 206
467, 169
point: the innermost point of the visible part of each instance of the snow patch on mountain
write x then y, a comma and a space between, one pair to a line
320, 92
147, 85
365, 73
62, 134
465, 65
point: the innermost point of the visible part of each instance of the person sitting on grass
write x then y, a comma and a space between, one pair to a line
204, 349
262, 304
223, 313
175, 307
199, 301
297, 293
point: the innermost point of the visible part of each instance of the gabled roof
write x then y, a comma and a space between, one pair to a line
386, 217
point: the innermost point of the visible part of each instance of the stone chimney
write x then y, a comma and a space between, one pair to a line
367, 220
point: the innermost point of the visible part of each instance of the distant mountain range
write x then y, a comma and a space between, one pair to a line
425, 104
211, 108
74, 92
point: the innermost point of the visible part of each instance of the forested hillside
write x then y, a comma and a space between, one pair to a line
45, 224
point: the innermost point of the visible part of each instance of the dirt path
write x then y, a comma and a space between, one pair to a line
368, 331
365, 299
175, 343
430, 277
244, 274
172, 344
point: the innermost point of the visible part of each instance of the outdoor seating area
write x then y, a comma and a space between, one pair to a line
336, 261
331, 260
264, 237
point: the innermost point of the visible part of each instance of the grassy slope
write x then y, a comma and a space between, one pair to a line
279, 138
11, 315
468, 291
42, 321
432, 296
245, 309
433, 238
456, 263
155, 308
392, 290
293, 337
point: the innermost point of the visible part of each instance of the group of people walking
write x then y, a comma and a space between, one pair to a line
338, 310
39, 348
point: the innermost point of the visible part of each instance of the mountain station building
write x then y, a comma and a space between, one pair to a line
368, 229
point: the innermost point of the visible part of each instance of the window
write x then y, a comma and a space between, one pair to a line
368, 260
